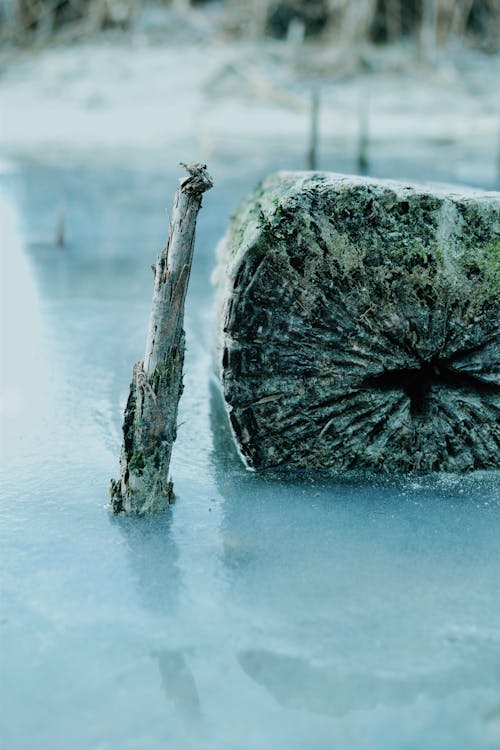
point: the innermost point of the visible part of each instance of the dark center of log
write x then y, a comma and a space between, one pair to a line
417, 384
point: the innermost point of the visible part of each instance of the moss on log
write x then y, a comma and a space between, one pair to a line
359, 325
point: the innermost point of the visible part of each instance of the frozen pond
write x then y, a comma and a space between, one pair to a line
258, 612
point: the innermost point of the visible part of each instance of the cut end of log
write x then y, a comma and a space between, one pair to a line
359, 325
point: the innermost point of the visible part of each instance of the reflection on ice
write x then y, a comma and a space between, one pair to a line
179, 685
297, 684
153, 556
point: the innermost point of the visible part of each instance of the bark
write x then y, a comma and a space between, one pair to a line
358, 325
150, 421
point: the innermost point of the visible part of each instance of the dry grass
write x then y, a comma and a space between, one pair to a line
432, 23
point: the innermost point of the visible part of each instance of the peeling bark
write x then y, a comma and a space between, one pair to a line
150, 421
359, 325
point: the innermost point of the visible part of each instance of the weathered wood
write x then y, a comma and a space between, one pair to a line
359, 325
150, 421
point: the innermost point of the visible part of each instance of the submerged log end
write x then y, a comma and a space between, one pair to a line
359, 325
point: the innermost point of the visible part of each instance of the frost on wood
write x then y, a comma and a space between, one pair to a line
359, 325
150, 421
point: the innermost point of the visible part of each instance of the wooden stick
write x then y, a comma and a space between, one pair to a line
150, 420
312, 160
60, 238
393, 19
364, 135
429, 28
498, 157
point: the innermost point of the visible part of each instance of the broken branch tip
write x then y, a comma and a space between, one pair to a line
198, 180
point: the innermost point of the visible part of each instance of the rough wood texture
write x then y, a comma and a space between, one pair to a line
150, 421
359, 325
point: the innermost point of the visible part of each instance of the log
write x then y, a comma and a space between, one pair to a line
150, 421
359, 325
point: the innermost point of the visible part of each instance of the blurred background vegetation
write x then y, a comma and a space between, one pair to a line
431, 25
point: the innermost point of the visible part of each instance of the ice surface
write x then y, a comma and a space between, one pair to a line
260, 612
